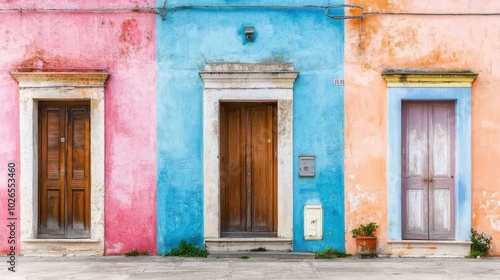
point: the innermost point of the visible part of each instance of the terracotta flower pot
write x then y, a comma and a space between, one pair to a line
366, 246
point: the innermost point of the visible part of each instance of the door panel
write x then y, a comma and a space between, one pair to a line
64, 170
52, 191
415, 205
54, 221
78, 167
261, 168
248, 168
232, 186
441, 170
427, 157
414, 170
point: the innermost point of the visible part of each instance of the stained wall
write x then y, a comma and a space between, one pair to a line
435, 43
122, 42
187, 40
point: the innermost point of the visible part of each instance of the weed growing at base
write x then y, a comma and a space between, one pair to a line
187, 250
481, 243
134, 253
260, 249
330, 253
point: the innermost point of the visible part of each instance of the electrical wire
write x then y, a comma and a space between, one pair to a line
162, 11
430, 14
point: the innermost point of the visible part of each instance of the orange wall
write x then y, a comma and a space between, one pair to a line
425, 43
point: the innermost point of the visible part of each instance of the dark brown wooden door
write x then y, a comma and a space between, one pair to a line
248, 164
64, 170
428, 169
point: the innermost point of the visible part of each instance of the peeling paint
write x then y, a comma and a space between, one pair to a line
94, 40
130, 36
191, 38
427, 43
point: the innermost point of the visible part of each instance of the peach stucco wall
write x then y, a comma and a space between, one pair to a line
124, 43
426, 43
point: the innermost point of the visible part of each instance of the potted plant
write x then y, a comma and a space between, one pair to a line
366, 241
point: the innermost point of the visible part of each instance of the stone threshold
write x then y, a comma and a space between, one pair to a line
249, 239
227, 244
270, 255
429, 242
61, 240
430, 248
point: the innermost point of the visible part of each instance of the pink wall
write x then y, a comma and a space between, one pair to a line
430, 43
124, 43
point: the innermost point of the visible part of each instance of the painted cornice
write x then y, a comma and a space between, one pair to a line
61, 79
429, 79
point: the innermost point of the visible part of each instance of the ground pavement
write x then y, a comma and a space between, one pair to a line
156, 267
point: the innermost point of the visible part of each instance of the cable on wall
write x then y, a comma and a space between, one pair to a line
162, 11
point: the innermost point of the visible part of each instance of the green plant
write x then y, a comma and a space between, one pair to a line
481, 243
244, 257
188, 250
260, 249
135, 252
132, 253
365, 231
330, 253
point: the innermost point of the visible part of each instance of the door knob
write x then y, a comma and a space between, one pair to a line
430, 180
425, 179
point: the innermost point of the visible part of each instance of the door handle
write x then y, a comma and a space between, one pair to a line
430, 180
425, 179
63, 172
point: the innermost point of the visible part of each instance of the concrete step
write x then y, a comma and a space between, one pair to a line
430, 248
272, 255
247, 244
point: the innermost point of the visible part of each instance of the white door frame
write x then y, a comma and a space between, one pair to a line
60, 86
246, 83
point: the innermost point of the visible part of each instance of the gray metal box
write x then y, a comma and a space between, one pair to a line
307, 167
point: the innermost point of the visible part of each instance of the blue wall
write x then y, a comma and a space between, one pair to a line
189, 38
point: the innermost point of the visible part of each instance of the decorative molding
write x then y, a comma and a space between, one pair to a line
403, 79
61, 79
249, 80
248, 67
248, 76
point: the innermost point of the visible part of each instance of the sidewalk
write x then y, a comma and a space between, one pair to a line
156, 267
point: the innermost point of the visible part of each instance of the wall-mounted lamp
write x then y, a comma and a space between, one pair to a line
249, 33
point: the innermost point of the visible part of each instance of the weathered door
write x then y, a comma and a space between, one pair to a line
64, 170
428, 170
248, 169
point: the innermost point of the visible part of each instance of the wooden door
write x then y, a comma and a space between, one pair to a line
428, 170
248, 168
64, 170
